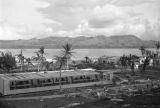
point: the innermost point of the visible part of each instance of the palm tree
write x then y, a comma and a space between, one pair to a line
87, 59
39, 57
41, 52
21, 59
28, 60
142, 48
67, 53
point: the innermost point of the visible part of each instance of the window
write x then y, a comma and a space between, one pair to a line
12, 85
81, 77
56, 81
108, 77
62, 79
49, 80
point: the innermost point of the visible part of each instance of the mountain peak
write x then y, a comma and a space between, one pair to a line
124, 36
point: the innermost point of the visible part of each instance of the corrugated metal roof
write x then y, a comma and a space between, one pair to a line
47, 74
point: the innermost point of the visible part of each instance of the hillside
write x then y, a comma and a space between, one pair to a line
126, 41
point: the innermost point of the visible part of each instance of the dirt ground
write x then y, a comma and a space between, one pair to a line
46, 103
147, 100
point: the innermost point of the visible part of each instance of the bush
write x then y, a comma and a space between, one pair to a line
7, 61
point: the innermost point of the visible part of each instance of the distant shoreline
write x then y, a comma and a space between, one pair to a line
85, 48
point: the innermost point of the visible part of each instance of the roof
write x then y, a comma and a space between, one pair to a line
108, 70
46, 74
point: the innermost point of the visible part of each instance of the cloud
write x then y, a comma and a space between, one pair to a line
151, 30
131, 2
41, 18
21, 19
105, 16
110, 20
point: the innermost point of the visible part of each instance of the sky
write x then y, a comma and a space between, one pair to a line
26, 19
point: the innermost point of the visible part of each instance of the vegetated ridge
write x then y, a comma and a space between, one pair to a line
99, 41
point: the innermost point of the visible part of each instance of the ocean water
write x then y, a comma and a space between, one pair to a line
78, 53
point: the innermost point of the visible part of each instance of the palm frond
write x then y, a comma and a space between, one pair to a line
67, 50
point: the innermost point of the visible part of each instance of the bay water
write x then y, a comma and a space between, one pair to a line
78, 53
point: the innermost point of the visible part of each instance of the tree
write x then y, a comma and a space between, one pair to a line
67, 53
61, 61
142, 48
46, 64
145, 63
132, 60
2, 60
8, 61
148, 53
157, 47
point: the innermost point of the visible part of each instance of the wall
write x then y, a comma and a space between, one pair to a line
17, 91
1, 85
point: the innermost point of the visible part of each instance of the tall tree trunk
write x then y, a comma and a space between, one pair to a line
41, 62
21, 60
28, 67
67, 65
38, 66
21, 66
60, 85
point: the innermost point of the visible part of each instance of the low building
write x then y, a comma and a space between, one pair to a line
42, 81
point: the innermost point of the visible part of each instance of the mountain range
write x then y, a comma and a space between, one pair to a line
100, 41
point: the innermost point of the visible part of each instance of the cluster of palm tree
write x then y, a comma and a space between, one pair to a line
128, 61
39, 58
22, 60
124, 61
148, 54
62, 60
